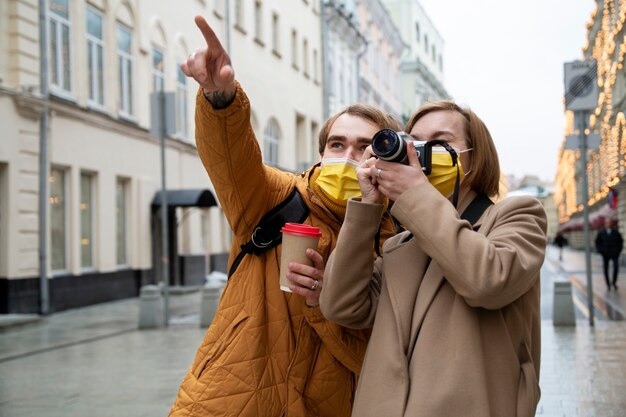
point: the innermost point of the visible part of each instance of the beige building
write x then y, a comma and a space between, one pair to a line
102, 169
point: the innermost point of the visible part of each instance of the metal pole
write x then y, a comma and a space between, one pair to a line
44, 300
165, 273
582, 115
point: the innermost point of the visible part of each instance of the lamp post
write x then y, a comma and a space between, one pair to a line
581, 97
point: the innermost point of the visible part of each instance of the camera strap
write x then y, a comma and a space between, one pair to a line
472, 213
477, 207
267, 234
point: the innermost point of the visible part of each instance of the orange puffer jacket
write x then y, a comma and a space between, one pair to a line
266, 353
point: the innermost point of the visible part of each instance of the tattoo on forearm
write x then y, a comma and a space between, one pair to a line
220, 99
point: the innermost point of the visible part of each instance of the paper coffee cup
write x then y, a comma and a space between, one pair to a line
297, 238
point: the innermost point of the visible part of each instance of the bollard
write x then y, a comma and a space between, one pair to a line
563, 305
150, 307
211, 294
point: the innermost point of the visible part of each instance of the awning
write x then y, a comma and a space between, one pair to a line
596, 220
186, 198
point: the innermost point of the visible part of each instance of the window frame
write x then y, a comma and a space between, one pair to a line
97, 84
90, 178
126, 102
65, 218
258, 22
158, 76
271, 143
56, 56
182, 109
125, 185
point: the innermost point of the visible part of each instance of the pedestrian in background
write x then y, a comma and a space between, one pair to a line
454, 307
561, 242
609, 244
269, 352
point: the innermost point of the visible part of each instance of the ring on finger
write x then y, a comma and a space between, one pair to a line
315, 284
378, 172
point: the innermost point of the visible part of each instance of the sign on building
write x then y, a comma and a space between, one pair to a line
581, 85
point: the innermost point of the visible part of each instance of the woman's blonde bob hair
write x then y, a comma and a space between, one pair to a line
484, 174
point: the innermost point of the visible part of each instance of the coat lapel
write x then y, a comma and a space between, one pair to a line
432, 281
403, 268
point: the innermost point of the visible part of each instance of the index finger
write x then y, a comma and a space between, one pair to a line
318, 261
414, 161
367, 153
210, 37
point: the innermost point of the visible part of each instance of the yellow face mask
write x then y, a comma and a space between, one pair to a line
338, 180
443, 172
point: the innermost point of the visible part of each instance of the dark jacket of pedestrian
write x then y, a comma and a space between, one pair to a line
609, 243
560, 240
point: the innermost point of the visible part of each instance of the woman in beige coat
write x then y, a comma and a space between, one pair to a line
454, 307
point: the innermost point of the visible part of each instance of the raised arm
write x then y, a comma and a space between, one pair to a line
211, 68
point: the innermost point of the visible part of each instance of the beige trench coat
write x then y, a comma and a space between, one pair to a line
455, 312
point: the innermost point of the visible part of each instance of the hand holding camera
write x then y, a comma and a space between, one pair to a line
391, 170
392, 146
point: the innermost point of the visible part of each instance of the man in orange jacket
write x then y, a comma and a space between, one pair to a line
269, 352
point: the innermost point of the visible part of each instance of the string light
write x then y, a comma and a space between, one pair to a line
606, 43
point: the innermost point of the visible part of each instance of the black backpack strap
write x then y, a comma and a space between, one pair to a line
477, 207
267, 234
472, 213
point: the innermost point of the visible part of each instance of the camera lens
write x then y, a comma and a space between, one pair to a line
389, 146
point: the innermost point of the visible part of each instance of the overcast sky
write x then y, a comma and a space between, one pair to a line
504, 59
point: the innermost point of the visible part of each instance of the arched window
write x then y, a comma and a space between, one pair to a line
271, 142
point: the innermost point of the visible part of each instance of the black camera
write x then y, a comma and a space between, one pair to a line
391, 146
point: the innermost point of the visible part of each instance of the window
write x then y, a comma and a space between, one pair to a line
125, 69
58, 220
418, 37
426, 43
95, 56
219, 8
60, 51
305, 57
275, 33
86, 220
239, 14
315, 67
121, 214
271, 141
258, 21
158, 73
294, 48
181, 104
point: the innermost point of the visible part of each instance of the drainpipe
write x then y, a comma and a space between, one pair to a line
44, 301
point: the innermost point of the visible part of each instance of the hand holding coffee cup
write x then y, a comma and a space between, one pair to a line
306, 272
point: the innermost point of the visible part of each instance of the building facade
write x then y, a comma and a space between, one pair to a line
606, 165
95, 165
344, 43
379, 77
422, 65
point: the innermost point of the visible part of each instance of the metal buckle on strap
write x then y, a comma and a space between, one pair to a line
259, 245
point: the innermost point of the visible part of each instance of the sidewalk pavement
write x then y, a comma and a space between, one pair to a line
608, 304
95, 362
